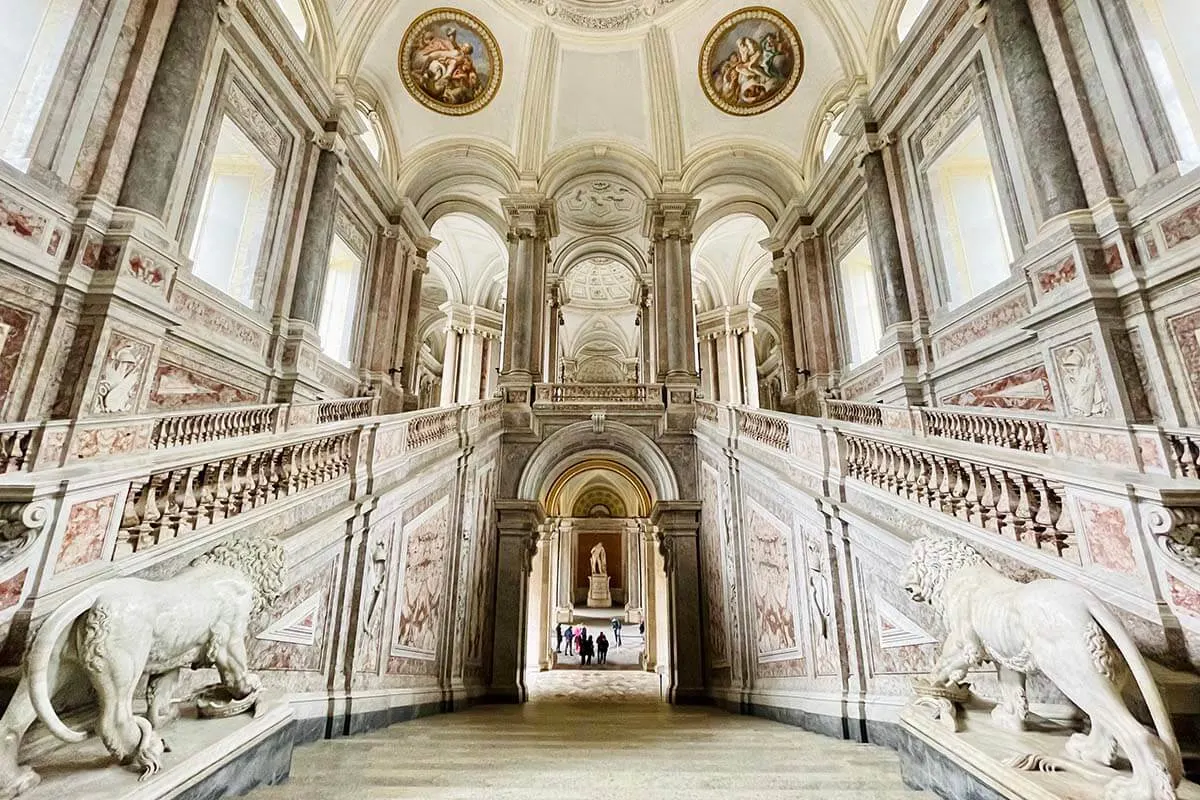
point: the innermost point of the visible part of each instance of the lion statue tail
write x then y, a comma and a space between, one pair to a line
1146, 684
37, 665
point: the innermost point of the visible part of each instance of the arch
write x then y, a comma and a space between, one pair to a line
613, 247
578, 443
440, 169
600, 159
555, 495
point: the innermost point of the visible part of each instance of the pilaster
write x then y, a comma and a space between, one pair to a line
678, 524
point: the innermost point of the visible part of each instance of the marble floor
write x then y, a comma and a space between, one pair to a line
603, 736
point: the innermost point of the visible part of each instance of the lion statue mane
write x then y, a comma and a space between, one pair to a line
116, 631
1062, 631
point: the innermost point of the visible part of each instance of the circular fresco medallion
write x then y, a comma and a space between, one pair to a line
751, 61
450, 62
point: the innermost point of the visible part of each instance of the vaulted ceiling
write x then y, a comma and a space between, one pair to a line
614, 79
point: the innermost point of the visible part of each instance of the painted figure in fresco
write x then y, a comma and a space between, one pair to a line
445, 67
756, 69
599, 560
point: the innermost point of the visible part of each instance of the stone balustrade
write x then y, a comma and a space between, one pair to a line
30, 446
197, 474
1019, 504
1035, 486
985, 427
173, 502
16, 446
598, 394
858, 413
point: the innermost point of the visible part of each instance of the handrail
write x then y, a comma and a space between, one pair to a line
607, 393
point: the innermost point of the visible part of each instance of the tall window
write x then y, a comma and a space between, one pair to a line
832, 137
1170, 35
294, 14
908, 17
339, 303
966, 207
228, 243
860, 302
370, 134
31, 47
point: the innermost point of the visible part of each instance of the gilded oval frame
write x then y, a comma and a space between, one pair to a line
716, 37
479, 31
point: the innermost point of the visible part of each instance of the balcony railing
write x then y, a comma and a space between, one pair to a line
598, 394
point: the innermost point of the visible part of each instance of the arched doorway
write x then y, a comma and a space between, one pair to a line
603, 487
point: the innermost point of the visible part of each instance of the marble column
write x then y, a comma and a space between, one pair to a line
166, 120
1036, 112
749, 369
650, 584
318, 230
470, 365
450, 376
646, 325
885, 243
729, 374
554, 322
787, 345
532, 224
545, 647
417, 267
668, 225
566, 571
518, 522
678, 524
493, 366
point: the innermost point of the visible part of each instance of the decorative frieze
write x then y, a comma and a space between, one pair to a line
979, 327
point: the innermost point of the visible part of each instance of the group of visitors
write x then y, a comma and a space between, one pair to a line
580, 643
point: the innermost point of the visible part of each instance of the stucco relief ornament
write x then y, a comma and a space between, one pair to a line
112, 633
119, 379
450, 62
1062, 631
751, 61
1080, 372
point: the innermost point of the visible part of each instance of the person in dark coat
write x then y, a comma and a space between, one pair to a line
601, 649
616, 626
570, 635
558, 634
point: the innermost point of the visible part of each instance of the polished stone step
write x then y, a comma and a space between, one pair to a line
607, 741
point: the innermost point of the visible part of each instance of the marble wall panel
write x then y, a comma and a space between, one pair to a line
1026, 390
1077, 368
712, 569
1185, 335
425, 547
1105, 532
770, 557
978, 327
11, 589
1185, 597
1181, 227
175, 387
83, 539
293, 641
482, 571
16, 325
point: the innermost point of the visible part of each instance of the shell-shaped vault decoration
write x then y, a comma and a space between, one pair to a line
751, 61
450, 62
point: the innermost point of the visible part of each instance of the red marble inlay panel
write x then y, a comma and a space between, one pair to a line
1183, 226
1058, 275
83, 540
1185, 330
1105, 530
178, 387
985, 324
10, 590
1185, 598
1027, 390
15, 324
19, 220
1112, 259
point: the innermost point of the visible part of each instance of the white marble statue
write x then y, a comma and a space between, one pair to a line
111, 634
1066, 633
599, 560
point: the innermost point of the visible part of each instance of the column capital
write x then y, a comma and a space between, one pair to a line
670, 216
332, 142
530, 216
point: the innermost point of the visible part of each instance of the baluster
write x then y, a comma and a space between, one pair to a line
1004, 503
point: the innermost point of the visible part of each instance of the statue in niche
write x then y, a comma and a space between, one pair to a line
109, 635
1062, 631
599, 560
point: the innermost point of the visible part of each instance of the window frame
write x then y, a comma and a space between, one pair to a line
851, 232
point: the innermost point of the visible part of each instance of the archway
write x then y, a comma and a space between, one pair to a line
590, 488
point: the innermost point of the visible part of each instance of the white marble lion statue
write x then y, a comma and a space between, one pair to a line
111, 634
1062, 631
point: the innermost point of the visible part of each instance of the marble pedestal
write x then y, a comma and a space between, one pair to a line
209, 758
968, 765
599, 591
